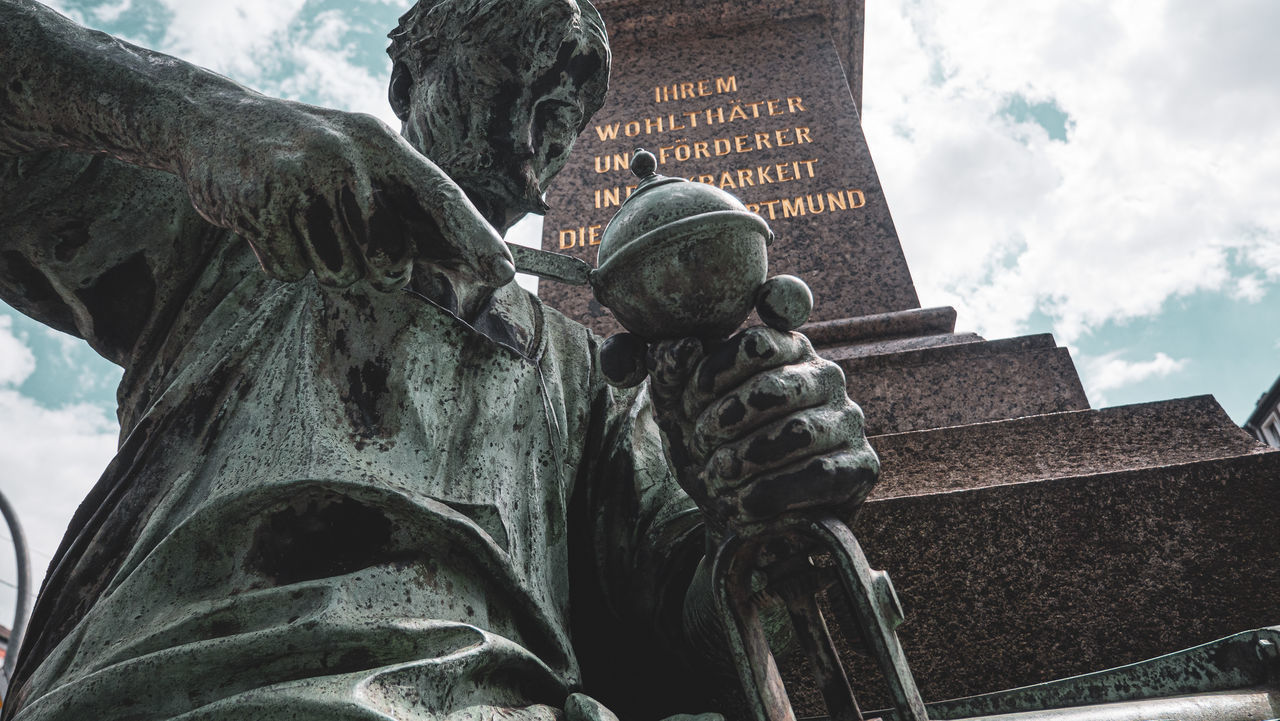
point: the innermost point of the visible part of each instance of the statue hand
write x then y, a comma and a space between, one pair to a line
760, 426
334, 193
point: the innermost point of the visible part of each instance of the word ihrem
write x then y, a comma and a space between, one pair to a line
695, 89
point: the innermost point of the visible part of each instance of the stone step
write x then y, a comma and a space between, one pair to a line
1058, 445
1017, 583
960, 383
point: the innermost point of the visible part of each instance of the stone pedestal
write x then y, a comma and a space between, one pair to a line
762, 110
1029, 536
1044, 547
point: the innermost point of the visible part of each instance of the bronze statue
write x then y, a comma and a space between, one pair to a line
377, 480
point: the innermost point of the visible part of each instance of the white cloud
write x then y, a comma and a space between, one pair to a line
17, 362
282, 48
327, 73
1110, 371
235, 37
1249, 288
111, 12
1164, 186
62, 7
49, 458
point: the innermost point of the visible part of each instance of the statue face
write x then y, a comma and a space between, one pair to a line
501, 123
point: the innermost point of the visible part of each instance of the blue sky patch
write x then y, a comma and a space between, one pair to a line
1046, 114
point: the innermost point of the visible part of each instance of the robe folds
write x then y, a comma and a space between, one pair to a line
327, 504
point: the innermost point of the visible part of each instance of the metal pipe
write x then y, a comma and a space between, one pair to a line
23, 606
1259, 704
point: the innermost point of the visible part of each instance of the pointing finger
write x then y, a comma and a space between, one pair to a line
462, 234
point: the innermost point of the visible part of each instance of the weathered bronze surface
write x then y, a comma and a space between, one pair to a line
1236, 678
378, 479
681, 260
749, 97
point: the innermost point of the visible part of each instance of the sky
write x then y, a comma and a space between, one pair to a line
1103, 171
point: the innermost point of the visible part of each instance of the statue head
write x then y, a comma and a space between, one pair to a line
495, 92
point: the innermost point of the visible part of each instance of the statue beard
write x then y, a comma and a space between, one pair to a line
502, 185
503, 194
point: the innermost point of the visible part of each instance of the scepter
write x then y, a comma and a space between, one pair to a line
683, 259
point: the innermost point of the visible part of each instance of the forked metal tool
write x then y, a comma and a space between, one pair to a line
747, 572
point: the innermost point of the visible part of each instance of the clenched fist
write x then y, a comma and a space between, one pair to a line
760, 426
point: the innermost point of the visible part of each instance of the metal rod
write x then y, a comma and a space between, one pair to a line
23, 606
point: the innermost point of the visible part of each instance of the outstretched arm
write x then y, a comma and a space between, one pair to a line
311, 189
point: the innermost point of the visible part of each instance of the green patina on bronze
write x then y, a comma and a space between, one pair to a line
377, 480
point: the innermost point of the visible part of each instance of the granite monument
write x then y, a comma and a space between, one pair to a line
1030, 537
362, 474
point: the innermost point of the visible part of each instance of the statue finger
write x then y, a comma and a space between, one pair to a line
581, 707
386, 247
279, 256
447, 227
814, 432
729, 364
838, 482
284, 264
766, 397
670, 363
329, 244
